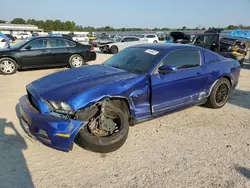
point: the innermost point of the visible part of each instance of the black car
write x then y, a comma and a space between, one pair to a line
235, 48
40, 52
12, 39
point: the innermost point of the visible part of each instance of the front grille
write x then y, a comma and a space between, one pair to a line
32, 100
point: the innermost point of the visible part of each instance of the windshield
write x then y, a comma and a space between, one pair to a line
134, 60
117, 39
19, 44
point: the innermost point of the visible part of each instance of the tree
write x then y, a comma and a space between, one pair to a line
18, 21
184, 28
3, 21
231, 27
203, 28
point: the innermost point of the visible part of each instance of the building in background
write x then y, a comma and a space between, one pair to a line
19, 28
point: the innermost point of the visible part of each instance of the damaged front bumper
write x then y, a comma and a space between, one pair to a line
52, 131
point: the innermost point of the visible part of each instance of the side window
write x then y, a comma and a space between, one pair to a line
183, 59
40, 43
134, 39
151, 36
54, 43
126, 39
200, 40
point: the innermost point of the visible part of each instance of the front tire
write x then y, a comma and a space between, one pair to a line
155, 41
8, 66
105, 143
76, 61
220, 94
114, 49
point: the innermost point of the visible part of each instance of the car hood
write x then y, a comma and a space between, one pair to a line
63, 85
6, 50
105, 42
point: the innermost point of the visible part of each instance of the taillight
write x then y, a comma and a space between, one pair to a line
4, 40
92, 47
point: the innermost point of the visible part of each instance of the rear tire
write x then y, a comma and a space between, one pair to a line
8, 66
76, 61
220, 94
104, 144
114, 49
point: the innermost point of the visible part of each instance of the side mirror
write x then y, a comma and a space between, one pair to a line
166, 69
28, 47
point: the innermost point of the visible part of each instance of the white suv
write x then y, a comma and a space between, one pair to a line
151, 38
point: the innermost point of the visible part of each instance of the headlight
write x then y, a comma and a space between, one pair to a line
60, 107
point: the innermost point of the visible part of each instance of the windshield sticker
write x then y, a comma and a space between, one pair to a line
152, 52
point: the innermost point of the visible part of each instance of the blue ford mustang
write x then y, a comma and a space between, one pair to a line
94, 105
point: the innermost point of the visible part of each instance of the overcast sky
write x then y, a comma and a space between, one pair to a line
132, 13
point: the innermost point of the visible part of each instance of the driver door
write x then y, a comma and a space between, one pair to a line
35, 54
183, 87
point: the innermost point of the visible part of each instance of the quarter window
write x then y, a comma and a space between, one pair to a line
71, 44
183, 59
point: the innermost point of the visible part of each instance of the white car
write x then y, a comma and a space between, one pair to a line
4, 41
119, 44
21, 35
151, 38
80, 38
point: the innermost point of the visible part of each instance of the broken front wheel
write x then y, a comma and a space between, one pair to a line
107, 128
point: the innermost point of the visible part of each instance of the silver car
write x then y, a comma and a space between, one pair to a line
119, 44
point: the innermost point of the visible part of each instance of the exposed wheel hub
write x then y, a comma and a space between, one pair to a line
102, 126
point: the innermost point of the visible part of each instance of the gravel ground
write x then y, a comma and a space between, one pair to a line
197, 147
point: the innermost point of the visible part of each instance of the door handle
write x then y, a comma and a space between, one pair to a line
43, 51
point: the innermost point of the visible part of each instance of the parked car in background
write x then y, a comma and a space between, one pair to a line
119, 44
238, 46
101, 39
179, 37
80, 38
35, 34
227, 46
49, 51
21, 35
94, 105
151, 38
4, 41
11, 38
161, 36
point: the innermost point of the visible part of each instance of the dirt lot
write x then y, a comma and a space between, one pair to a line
198, 147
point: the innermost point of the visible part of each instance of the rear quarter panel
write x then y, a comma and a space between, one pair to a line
220, 67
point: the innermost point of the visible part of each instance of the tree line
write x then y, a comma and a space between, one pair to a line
57, 25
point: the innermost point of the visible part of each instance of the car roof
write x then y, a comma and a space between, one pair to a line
205, 34
48, 36
165, 46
